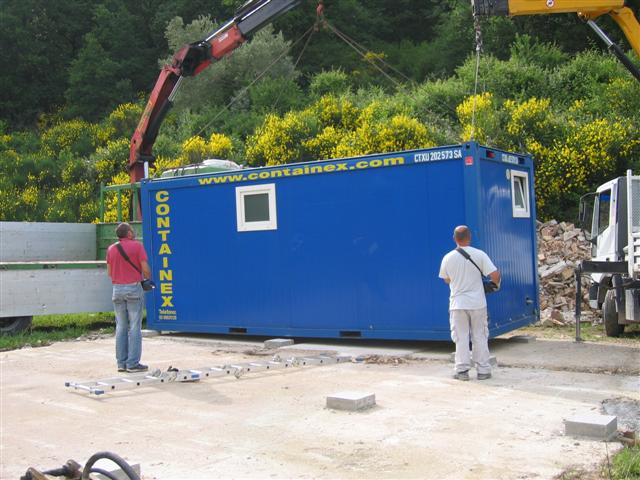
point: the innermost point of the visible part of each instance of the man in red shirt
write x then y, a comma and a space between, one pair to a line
128, 296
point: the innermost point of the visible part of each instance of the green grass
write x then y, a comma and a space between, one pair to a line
54, 328
588, 333
626, 464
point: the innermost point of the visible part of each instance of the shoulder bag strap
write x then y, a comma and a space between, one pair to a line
126, 257
468, 257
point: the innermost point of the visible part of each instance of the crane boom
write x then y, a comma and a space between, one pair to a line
588, 10
189, 61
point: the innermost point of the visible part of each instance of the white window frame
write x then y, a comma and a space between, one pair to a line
241, 192
519, 212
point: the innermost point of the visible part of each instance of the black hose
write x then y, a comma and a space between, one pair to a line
126, 468
104, 473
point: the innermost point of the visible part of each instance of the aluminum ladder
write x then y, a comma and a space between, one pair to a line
100, 387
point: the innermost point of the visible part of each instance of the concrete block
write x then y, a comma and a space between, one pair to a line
522, 339
278, 342
351, 401
493, 361
598, 427
118, 474
150, 333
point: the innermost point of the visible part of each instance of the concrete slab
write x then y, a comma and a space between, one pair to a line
599, 427
278, 342
351, 401
552, 354
274, 424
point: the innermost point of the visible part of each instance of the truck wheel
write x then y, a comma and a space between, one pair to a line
610, 316
12, 325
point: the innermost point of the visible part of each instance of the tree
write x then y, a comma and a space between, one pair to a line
39, 40
105, 73
225, 79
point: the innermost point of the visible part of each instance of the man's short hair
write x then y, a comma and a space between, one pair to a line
461, 233
122, 230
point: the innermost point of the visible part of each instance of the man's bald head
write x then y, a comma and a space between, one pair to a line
462, 235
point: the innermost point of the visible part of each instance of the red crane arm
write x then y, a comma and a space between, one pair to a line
189, 61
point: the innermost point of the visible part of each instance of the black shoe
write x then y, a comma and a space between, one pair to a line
484, 376
138, 368
122, 369
464, 376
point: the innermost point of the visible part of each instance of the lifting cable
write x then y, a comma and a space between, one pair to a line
478, 36
295, 64
244, 90
362, 51
321, 21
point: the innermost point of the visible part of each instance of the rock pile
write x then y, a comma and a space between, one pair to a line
561, 246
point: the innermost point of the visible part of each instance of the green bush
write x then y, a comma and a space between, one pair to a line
332, 82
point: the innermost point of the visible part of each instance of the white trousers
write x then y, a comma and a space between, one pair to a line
470, 325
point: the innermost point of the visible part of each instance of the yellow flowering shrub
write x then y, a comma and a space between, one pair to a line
162, 164
111, 200
586, 157
334, 127
30, 196
122, 122
486, 119
220, 146
323, 146
75, 136
281, 140
398, 133
333, 111
196, 149
72, 203
111, 159
528, 119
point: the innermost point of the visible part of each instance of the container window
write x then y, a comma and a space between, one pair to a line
520, 194
256, 208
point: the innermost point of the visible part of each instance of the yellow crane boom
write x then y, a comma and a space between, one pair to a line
588, 10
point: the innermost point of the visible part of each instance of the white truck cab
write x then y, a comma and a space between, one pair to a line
615, 252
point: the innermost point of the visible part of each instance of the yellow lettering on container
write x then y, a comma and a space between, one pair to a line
162, 209
166, 275
166, 301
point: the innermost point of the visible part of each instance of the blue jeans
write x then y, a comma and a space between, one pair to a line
127, 303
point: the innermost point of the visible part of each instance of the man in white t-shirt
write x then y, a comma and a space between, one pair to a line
468, 304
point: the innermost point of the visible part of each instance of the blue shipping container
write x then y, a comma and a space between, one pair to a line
339, 248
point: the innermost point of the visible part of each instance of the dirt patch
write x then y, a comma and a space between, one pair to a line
381, 360
626, 409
